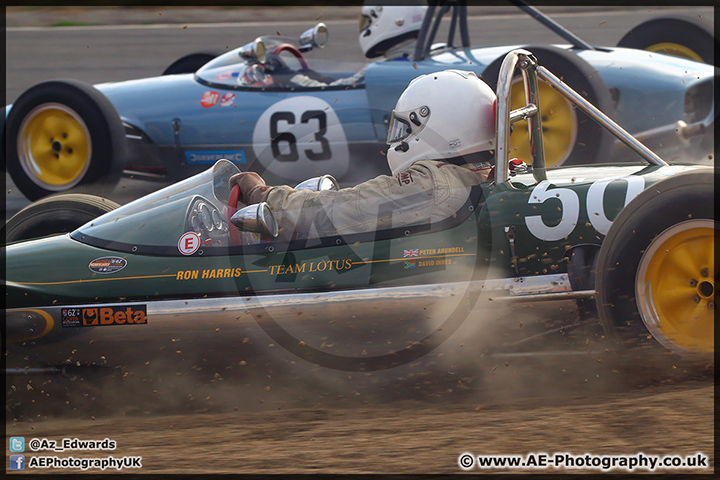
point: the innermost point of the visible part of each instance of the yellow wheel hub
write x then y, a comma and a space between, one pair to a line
676, 287
676, 50
559, 125
54, 146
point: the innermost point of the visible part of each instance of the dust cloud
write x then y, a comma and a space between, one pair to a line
511, 378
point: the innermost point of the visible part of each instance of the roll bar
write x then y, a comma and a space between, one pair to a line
527, 63
429, 29
561, 31
427, 33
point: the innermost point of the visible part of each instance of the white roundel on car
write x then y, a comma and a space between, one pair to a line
300, 137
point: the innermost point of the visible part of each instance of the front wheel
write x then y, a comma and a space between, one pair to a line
656, 271
62, 134
55, 215
684, 37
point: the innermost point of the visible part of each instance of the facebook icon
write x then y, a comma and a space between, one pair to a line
17, 462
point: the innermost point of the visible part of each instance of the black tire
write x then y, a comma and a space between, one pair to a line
591, 143
192, 62
643, 297
58, 214
94, 154
693, 37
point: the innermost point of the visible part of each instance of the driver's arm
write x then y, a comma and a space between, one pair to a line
305, 81
427, 192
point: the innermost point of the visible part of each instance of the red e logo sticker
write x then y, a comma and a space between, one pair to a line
189, 243
209, 99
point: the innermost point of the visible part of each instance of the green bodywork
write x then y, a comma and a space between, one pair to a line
55, 270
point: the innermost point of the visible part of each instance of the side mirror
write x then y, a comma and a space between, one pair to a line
314, 37
317, 184
256, 218
254, 51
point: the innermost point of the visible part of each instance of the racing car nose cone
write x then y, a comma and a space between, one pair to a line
22, 325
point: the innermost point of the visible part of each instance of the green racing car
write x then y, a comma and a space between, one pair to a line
632, 242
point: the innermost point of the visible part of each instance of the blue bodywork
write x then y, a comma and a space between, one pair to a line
176, 125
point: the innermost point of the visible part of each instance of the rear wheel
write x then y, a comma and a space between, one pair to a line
62, 134
656, 274
569, 136
685, 37
54, 215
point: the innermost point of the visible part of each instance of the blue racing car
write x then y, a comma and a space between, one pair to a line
268, 108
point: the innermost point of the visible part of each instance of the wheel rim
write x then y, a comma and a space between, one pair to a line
675, 290
559, 124
676, 50
54, 146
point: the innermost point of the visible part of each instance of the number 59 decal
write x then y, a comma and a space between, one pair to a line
570, 207
301, 135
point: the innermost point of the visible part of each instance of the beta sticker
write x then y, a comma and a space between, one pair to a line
101, 316
107, 265
189, 243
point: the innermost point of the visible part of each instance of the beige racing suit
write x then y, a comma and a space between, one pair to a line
427, 192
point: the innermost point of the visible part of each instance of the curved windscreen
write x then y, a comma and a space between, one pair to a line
238, 68
272, 62
198, 204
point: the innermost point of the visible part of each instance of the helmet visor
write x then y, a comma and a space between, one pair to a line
365, 22
399, 129
404, 124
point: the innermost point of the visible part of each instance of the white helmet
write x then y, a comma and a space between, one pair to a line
384, 27
441, 115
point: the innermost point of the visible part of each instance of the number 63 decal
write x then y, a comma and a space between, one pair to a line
570, 206
300, 135
289, 117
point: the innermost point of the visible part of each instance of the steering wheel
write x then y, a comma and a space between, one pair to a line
232, 208
292, 49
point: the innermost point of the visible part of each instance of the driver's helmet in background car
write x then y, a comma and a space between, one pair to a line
381, 28
441, 115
